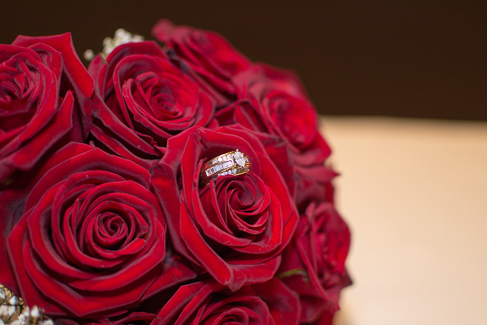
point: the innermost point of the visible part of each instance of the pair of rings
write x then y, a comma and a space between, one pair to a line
231, 163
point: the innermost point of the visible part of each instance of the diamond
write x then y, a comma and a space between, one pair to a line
240, 161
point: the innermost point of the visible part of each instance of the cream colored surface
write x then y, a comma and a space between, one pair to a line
414, 193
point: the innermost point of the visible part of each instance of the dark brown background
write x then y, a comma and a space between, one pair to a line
396, 58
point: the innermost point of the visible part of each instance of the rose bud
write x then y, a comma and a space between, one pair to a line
142, 100
208, 53
89, 238
313, 264
233, 226
45, 100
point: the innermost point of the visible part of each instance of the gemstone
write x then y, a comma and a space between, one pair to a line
240, 161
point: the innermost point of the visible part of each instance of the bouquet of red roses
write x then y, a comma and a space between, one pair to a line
171, 182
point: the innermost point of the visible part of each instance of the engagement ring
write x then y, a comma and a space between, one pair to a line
230, 163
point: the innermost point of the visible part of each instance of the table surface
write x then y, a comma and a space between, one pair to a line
414, 193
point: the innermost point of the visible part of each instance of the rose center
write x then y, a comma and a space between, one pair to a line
111, 231
19, 89
295, 118
245, 206
157, 97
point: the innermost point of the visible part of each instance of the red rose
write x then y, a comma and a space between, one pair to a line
209, 302
313, 264
273, 101
44, 99
236, 226
88, 238
143, 101
208, 53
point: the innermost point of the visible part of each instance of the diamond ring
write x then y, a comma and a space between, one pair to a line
230, 163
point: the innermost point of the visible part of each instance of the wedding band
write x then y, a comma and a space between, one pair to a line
231, 163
